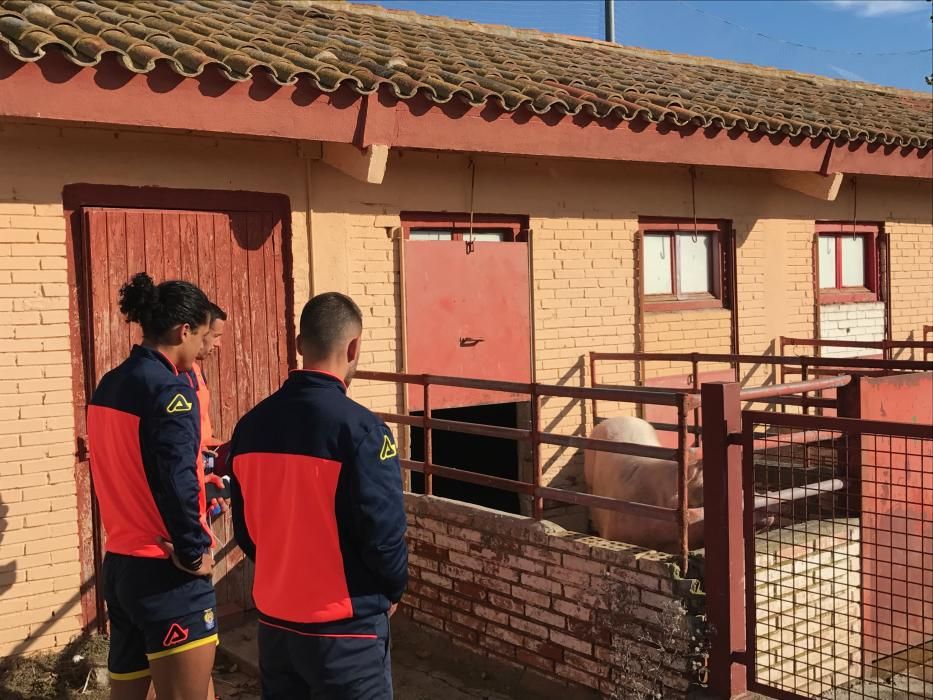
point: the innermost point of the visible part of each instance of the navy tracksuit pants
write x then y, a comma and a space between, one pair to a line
338, 662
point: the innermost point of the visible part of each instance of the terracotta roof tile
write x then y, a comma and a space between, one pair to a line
333, 44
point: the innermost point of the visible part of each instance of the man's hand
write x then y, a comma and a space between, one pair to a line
210, 451
392, 609
207, 561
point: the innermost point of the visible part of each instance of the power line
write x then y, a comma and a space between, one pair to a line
797, 44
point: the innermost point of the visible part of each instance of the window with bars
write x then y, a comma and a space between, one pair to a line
847, 262
683, 264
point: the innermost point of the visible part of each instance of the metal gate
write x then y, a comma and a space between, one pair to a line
839, 587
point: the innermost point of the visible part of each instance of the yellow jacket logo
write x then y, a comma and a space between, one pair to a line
178, 404
388, 449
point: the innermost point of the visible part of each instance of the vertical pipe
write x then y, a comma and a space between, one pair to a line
804, 376
610, 21
732, 259
532, 327
537, 502
428, 449
640, 311
593, 384
403, 306
683, 500
815, 264
725, 552
695, 368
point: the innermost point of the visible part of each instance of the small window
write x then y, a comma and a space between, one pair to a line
682, 266
846, 263
484, 228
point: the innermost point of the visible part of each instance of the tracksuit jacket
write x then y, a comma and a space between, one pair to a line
317, 505
143, 427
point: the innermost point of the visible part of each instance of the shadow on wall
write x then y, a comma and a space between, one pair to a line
570, 472
7, 578
7, 569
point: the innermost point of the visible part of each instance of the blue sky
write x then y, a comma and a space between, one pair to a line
838, 28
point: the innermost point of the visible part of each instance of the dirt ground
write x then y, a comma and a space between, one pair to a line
425, 667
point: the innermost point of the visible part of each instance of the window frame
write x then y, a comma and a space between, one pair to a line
685, 301
514, 228
838, 294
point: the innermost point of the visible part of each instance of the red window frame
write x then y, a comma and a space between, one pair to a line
846, 295
514, 228
693, 300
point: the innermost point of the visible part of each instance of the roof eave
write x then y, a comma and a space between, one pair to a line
54, 89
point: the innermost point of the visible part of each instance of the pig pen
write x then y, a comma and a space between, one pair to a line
621, 620
626, 621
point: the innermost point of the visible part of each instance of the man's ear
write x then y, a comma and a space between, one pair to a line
353, 350
180, 333
298, 345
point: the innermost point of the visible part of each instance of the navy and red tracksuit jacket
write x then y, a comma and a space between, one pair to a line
144, 428
317, 505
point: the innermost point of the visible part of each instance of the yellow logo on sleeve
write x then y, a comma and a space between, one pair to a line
388, 449
178, 404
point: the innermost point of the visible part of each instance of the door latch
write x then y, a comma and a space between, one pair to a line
470, 342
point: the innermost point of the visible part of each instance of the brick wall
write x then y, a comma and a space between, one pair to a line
580, 610
807, 585
39, 571
857, 321
911, 281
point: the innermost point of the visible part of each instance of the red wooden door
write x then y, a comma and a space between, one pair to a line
467, 316
236, 258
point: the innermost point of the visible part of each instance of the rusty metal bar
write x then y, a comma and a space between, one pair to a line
766, 392
537, 504
428, 441
773, 499
402, 419
587, 499
624, 448
722, 499
695, 367
683, 500
493, 431
483, 479
868, 344
842, 425
840, 363
594, 384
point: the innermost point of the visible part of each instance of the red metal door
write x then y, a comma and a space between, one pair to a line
467, 316
897, 518
236, 258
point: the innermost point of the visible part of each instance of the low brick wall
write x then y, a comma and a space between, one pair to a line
808, 611
578, 609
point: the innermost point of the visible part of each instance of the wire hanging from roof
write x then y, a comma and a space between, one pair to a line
799, 45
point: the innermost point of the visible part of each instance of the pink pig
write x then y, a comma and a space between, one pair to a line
641, 480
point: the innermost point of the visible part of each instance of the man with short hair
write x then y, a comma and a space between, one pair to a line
211, 343
317, 505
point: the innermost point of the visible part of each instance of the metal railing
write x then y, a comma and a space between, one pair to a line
807, 367
887, 347
536, 438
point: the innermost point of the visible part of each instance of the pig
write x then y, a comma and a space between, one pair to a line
641, 480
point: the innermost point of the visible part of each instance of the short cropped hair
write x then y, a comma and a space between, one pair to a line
326, 322
217, 314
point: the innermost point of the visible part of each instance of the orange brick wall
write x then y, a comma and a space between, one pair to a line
38, 518
911, 281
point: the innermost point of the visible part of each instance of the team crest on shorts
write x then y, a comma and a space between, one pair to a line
209, 621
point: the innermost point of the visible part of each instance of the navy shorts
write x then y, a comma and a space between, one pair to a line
346, 660
155, 610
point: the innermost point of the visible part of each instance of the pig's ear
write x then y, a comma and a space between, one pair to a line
695, 452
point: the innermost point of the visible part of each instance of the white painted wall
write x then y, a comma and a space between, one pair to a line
859, 321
